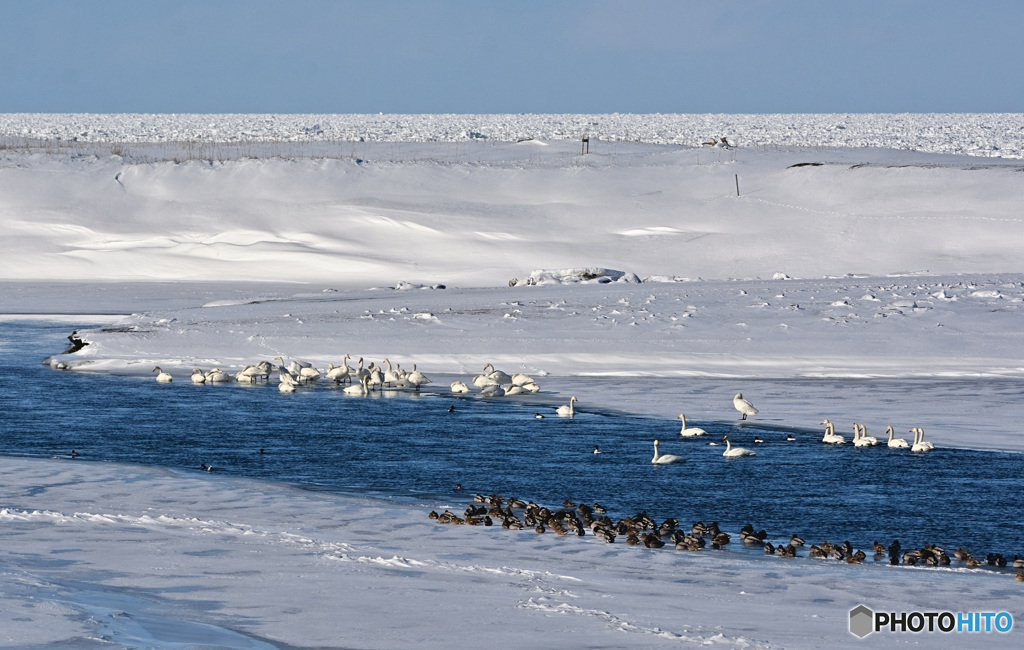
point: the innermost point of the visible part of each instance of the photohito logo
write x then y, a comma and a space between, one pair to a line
863, 621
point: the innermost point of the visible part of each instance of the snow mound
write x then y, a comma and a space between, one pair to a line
573, 276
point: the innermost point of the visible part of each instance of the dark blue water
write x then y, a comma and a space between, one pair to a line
412, 446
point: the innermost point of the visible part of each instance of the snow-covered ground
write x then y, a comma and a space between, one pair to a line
868, 270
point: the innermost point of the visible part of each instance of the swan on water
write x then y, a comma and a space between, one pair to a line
831, 437
743, 406
733, 452
198, 377
459, 387
664, 459
895, 443
358, 389
861, 437
248, 374
567, 411
691, 431
308, 374
216, 375
162, 377
920, 444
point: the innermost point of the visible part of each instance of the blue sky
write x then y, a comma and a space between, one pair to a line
517, 56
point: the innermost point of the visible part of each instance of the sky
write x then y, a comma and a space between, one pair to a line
529, 56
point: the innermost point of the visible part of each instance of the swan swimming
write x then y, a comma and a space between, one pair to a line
831, 437
567, 411
692, 431
198, 377
664, 459
860, 437
743, 406
162, 377
920, 444
734, 452
895, 443
358, 389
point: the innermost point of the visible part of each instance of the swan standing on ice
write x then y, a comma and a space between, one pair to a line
340, 373
459, 387
743, 406
568, 411
162, 377
692, 431
417, 378
831, 437
896, 443
920, 444
664, 459
731, 452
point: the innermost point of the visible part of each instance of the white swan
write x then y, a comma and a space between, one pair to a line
920, 444
743, 406
871, 440
198, 377
417, 378
861, 437
831, 437
519, 379
340, 373
499, 376
390, 376
531, 387
567, 411
895, 443
162, 377
288, 383
733, 452
492, 390
664, 459
217, 375
360, 388
692, 431
248, 374
459, 387
308, 374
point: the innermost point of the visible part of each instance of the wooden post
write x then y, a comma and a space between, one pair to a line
737, 184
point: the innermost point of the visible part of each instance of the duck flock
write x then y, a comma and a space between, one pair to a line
641, 530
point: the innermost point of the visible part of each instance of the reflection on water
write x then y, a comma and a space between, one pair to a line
412, 446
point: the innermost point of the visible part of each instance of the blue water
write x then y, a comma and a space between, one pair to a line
412, 446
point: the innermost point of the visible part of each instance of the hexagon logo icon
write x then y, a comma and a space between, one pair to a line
861, 621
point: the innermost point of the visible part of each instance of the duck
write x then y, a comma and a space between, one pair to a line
831, 437
743, 406
731, 452
790, 438
758, 439
162, 377
920, 444
596, 450
895, 443
689, 431
75, 454
567, 410
538, 416
664, 459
